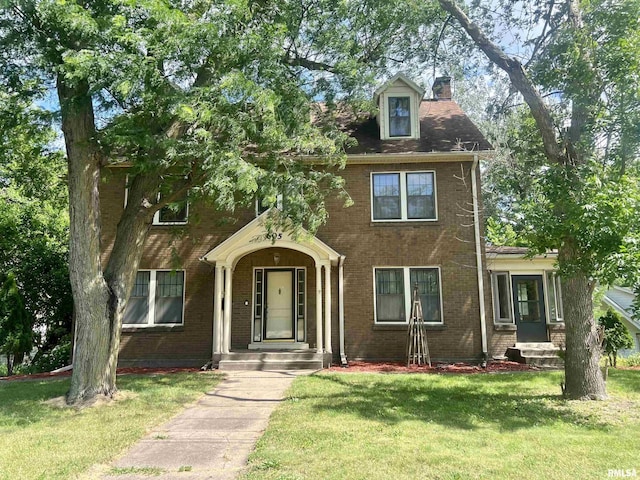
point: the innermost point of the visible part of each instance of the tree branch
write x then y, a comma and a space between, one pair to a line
309, 64
518, 77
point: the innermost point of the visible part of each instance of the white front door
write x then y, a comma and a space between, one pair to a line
279, 305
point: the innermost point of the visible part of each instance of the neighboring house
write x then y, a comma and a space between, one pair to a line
527, 297
344, 293
620, 299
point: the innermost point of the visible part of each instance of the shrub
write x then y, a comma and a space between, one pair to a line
632, 360
58, 356
616, 335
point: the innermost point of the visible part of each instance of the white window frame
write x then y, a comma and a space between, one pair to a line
497, 320
388, 117
414, 108
408, 300
403, 196
557, 295
156, 216
151, 316
278, 205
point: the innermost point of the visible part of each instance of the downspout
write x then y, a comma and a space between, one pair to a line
479, 266
343, 356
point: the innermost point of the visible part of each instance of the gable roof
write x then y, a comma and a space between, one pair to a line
444, 127
399, 77
621, 299
252, 237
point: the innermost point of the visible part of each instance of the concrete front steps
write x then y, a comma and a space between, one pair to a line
540, 354
273, 360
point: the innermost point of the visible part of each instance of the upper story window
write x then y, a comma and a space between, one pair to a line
398, 103
403, 196
399, 117
262, 204
172, 215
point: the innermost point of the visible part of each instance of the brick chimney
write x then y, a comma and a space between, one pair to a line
442, 88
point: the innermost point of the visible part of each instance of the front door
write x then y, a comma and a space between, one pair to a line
528, 301
278, 310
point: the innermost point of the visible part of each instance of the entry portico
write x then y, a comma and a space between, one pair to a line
288, 282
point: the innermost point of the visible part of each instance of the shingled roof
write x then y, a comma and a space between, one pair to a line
444, 127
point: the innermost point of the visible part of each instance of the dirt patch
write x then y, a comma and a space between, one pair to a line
398, 367
98, 401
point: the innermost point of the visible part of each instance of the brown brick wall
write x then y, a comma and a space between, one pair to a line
447, 243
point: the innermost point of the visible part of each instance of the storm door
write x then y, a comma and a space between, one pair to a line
528, 302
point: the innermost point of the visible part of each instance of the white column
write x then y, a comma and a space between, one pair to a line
217, 310
226, 336
327, 308
343, 356
318, 307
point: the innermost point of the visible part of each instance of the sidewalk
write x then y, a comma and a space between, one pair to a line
212, 439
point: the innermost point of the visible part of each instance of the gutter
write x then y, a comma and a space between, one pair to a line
343, 355
479, 266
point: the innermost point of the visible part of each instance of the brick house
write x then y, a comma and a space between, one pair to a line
345, 292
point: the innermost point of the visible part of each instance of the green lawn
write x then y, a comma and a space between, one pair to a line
38, 441
372, 426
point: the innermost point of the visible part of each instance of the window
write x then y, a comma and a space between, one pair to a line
554, 297
157, 298
172, 214
501, 297
394, 290
262, 205
386, 196
403, 196
399, 117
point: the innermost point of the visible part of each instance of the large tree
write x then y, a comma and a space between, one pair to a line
210, 99
580, 83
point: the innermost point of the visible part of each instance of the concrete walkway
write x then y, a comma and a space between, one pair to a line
212, 439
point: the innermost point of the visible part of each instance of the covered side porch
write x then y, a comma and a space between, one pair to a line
274, 305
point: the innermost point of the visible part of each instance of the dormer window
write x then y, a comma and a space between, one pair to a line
399, 117
398, 102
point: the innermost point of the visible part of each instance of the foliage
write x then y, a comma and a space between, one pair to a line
34, 215
616, 335
597, 202
41, 440
15, 324
47, 360
409, 426
502, 234
632, 360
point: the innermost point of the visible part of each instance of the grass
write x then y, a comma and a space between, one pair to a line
368, 426
39, 441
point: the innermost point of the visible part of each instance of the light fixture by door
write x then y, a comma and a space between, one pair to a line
276, 258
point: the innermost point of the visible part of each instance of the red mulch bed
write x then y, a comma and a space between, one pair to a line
399, 367
121, 371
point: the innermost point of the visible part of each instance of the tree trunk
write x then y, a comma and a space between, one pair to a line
583, 376
9, 365
90, 291
124, 260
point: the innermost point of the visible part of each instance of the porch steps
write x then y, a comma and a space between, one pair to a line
274, 360
541, 354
